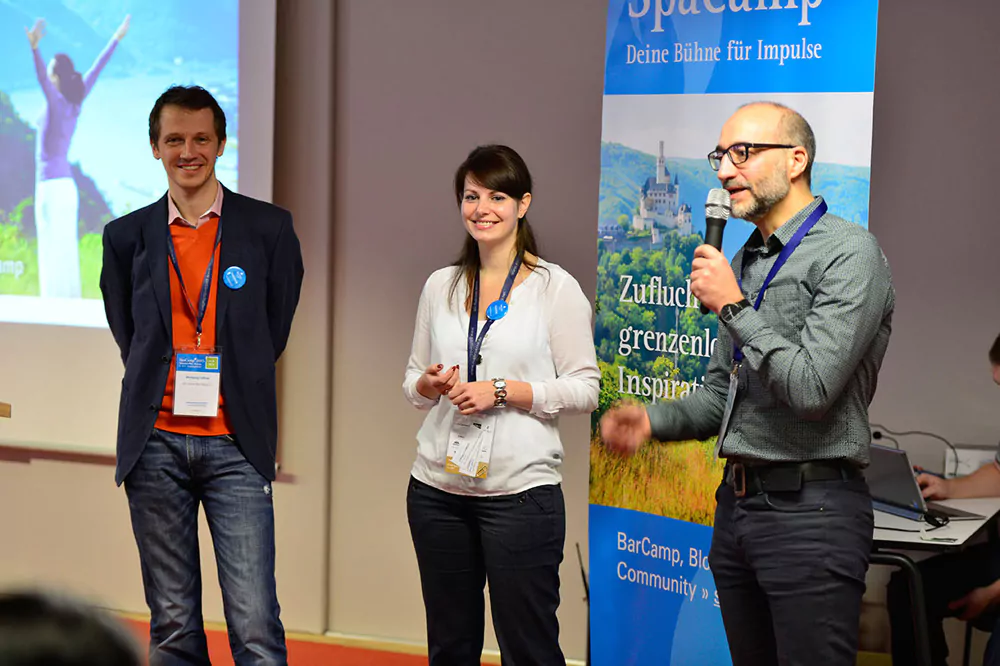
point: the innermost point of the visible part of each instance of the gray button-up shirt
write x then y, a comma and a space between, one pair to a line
812, 351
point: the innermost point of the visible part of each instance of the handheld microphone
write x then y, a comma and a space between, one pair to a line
716, 214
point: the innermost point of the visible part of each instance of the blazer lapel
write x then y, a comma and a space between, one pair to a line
229, 252
154, 233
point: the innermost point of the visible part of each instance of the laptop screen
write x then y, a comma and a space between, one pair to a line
890, 478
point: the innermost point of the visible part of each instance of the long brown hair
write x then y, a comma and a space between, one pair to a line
70, 85
501, 169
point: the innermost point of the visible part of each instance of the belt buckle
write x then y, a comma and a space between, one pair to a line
739, 482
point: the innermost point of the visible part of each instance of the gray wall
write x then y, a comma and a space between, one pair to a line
934, 190
418, 86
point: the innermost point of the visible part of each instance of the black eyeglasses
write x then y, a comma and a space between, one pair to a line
739, 153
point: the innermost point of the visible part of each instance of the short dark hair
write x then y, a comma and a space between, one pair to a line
192, 98
40, 628
995, 352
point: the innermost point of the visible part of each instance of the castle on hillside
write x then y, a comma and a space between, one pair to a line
659, 204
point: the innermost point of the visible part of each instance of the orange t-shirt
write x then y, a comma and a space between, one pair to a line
194, 249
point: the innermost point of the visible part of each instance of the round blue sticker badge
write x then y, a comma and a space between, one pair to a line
234, 277
496, 310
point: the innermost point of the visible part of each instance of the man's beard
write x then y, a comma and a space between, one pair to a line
763, 196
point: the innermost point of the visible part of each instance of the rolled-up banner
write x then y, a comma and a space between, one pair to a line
675, 70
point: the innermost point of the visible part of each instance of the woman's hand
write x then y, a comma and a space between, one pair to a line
123, 28
473, 397
436, 381
36, 33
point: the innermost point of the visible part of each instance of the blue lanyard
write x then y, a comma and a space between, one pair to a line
476, 342
786, 252
206, 283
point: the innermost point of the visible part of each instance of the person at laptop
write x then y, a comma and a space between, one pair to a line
964, 584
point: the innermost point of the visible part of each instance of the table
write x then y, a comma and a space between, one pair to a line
890, 547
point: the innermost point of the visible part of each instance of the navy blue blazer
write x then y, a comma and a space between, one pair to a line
251, 323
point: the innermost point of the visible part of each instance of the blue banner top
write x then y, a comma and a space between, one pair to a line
664, 47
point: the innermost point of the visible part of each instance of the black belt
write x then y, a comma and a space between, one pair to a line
755, 478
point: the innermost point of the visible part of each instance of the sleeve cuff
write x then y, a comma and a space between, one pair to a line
418, 400
657, 420
538, 398
745, 326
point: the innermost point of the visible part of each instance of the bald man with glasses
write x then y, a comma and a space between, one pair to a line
805, 314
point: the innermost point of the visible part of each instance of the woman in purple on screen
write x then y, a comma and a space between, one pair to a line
57, 201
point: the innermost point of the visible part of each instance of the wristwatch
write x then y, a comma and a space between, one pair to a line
729, 311
499, 393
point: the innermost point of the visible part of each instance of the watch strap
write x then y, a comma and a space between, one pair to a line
730, 310
499, 393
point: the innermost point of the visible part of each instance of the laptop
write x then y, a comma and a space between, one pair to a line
894, 488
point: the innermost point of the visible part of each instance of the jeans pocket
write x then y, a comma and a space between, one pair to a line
411, 489
415, 486
796, 501
535, 523
544, 498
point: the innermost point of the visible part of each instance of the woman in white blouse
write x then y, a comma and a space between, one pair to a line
484, 500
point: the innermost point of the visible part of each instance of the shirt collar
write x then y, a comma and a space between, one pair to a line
174, 214
784, 233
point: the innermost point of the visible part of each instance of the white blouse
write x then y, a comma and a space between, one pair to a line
545, 339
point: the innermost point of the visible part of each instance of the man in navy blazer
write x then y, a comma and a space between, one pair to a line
200, 289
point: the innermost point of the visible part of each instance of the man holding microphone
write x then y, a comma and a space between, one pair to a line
804, 311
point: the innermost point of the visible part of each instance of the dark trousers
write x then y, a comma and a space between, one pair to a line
174, 475
515, 542
790, 571
945, 578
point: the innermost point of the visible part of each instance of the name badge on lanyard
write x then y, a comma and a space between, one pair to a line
470, 445
197, 370
196, 384
470, 441
786, 252
734, 380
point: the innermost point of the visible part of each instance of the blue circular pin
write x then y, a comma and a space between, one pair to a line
234, 277
496, 310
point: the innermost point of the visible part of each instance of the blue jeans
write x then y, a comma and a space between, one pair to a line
174, 475
790, 571
515, 542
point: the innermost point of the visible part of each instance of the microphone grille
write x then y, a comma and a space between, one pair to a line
717, 204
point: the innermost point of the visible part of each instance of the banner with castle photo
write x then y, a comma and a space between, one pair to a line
675, 70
